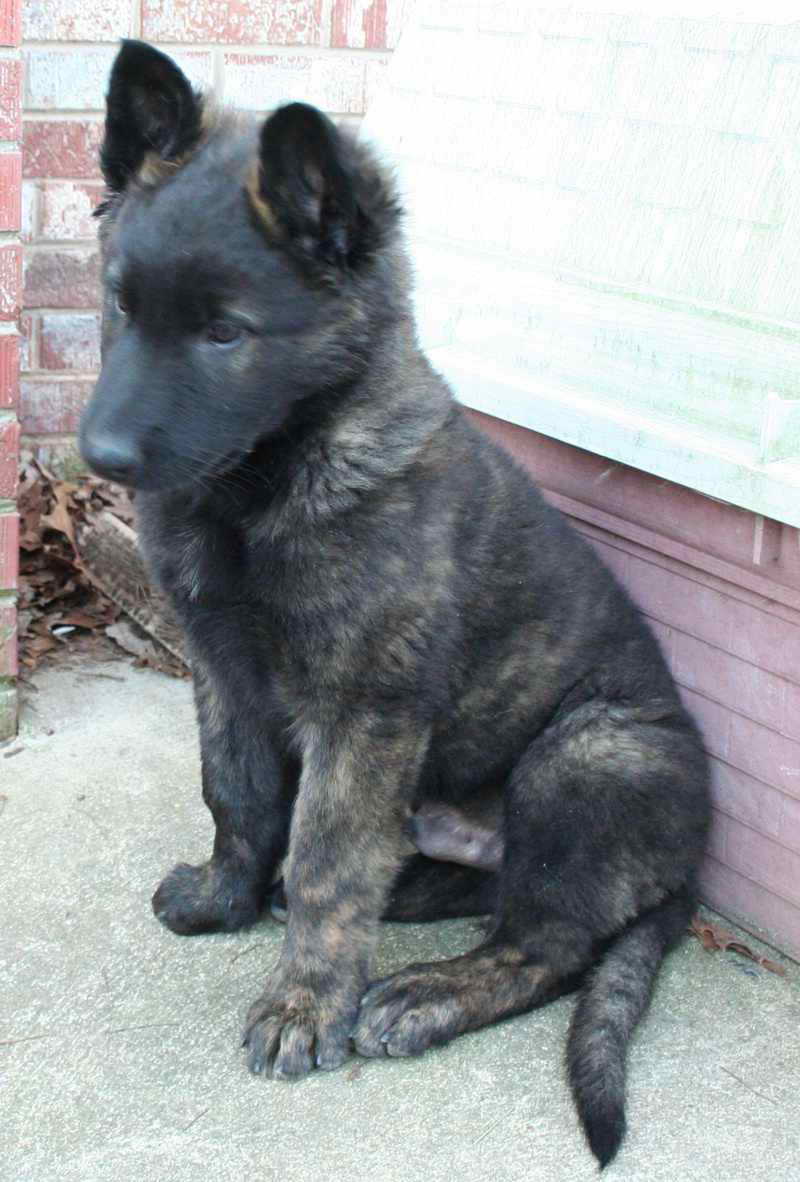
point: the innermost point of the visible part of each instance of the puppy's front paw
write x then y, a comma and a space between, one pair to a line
289, 1032
207, 898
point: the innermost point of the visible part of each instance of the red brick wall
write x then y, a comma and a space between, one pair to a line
10, 295
255, 52
721, 588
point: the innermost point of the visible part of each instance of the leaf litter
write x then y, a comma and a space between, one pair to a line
718, 939
61, 608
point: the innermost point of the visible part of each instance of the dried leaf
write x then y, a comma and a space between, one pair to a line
717, 939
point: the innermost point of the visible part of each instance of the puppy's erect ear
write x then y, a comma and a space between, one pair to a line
150, 107
328, 204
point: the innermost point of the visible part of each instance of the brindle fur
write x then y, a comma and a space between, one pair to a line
380, 609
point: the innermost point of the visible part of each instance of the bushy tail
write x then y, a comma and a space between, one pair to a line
613, 999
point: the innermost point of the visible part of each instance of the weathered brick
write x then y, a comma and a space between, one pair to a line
8, 711
28, 341
10, 281
52, 406
238, 22
62, 279
9, 550
9, 370
55, 149
360, 24
10, 98
445, 14
10, 181
70, 341
336, 83
10, 22
64, 20
30, 211
67, 209
65, 80
8, 640
374, 78
498, 16
9, 452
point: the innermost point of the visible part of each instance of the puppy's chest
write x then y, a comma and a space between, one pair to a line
230, 598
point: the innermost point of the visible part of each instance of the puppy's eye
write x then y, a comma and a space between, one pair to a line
222, 332
121, 304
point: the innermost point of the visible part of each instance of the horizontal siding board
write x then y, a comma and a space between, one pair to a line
744, 687
755, 804
764, 754
731, 634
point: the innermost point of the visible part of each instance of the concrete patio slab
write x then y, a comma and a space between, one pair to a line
119, 1041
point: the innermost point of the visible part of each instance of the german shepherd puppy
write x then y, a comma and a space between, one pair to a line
382, 613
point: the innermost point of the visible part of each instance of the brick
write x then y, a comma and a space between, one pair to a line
8, 640
52, 407
70, 342
62, 279
67, 209
9, 454
359, 24
10, 22
61, 149
374, 78
10, 98
10, 281
9, 370
10, 191
444, 14
9, 550
262, 81
238, 22
28, 341
65, 80
29, 218
498, 16
8, 711
64, 20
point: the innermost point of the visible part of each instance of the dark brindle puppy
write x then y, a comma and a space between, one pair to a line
381, 611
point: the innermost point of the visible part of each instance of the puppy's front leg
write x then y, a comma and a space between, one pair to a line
345, 847
249, 786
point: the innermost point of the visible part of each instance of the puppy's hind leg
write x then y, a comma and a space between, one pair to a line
605, 821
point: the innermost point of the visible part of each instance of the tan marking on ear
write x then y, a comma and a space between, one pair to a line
261, 207
154, 170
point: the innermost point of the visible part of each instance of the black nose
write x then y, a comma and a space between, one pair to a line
113, 457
